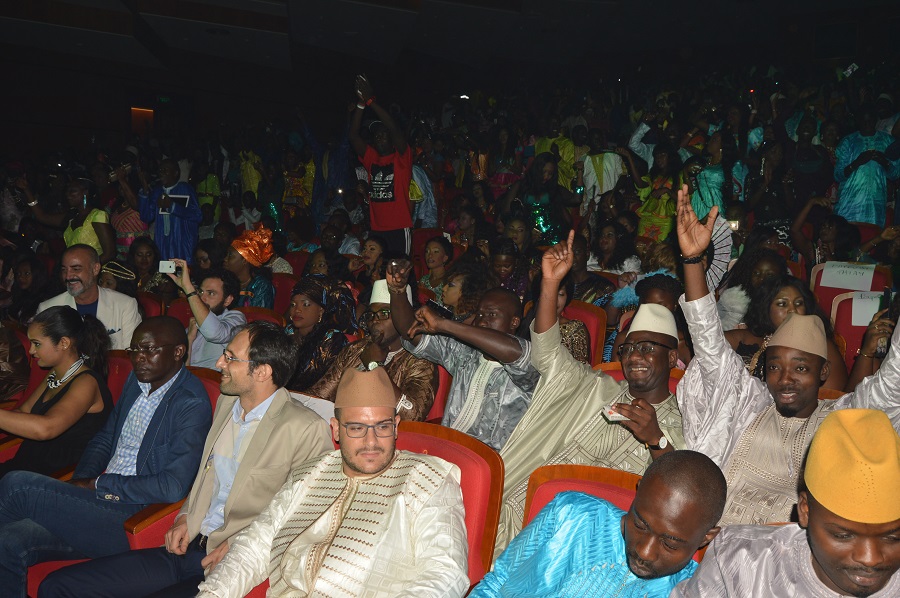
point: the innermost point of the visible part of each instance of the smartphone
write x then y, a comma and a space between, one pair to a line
439, 309
734, 224
169, 267
882, 348
612, 415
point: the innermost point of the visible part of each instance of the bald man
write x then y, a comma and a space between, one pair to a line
493, 378
581, 545
147, 452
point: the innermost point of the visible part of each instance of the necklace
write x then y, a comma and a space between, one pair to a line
52, 382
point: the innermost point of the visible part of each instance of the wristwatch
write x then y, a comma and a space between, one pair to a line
372, 365
660, 445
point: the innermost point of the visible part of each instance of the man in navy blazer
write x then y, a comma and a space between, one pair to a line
147, 452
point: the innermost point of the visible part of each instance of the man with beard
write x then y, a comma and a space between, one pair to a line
848, 539
259, 435
145, 453
567, 421
213, 324
756, 431
118, 312
416, 377
367, 520
581, 545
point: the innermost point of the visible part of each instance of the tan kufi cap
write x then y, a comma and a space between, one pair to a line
380, 293
804, 333
853, 466
366, 389
651, 317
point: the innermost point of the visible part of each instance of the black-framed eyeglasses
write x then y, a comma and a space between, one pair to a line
381, 314
382, 429
643, 347
232, 358
147, 351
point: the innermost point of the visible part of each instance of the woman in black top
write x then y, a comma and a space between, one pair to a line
72, 403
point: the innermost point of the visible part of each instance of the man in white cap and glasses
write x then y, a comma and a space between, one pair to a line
416, 377
848, 539
580, 416
757, 431
366, 520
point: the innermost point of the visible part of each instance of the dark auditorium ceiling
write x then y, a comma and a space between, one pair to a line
291, 35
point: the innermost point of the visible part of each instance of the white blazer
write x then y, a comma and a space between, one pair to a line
118, 312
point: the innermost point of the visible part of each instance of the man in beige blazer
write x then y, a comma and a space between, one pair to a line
258, 436
118, 312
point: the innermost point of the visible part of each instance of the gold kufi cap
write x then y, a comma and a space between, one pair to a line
853, 466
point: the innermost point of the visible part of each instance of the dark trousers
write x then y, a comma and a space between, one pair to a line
399, 240
153, 572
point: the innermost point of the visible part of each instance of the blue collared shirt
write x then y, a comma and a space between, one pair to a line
227, 460
124, 460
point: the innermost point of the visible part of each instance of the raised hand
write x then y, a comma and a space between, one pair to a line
397, 275
557, 260
364, 88
693, 235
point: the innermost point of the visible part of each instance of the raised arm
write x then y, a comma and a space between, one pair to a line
356, 142
402, 314
693, 237
367, 96
801, 243
555, 264
505, 348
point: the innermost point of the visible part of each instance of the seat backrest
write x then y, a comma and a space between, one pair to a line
842, 317
440, 395
211, 380
424, 294
284, 284
617, 487
297, 260
261, 313
594, 319
180, 310
482, 483
151, 304
120, 367
614, 370
881, 277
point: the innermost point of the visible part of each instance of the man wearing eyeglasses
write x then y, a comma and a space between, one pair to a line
213, 324
147, 452
416, 377
585, 417
259, 435
367, 520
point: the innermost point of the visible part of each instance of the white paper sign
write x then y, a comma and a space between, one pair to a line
322, 408
853, 277
865, 304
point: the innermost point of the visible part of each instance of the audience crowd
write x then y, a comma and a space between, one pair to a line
634, 280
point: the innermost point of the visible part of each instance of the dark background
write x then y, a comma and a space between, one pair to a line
74, 69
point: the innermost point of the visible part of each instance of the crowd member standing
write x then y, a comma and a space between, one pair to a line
177, 222
389, 164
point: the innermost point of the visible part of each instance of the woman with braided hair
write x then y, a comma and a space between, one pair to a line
322, 311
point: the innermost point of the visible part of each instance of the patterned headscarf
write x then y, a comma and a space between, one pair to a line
255, 246
332, 296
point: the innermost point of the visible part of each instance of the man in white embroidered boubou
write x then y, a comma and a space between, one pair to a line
756, 431
566, 421
367, 520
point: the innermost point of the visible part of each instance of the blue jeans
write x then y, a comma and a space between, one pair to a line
44, 519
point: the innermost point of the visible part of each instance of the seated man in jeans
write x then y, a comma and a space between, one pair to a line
148, 452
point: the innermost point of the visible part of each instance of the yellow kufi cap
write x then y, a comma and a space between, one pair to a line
366, 389
853, 466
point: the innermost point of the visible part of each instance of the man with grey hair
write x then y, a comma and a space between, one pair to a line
118, 312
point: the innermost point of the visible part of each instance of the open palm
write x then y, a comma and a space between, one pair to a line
693, 235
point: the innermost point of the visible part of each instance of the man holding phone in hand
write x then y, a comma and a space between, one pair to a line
584, 417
